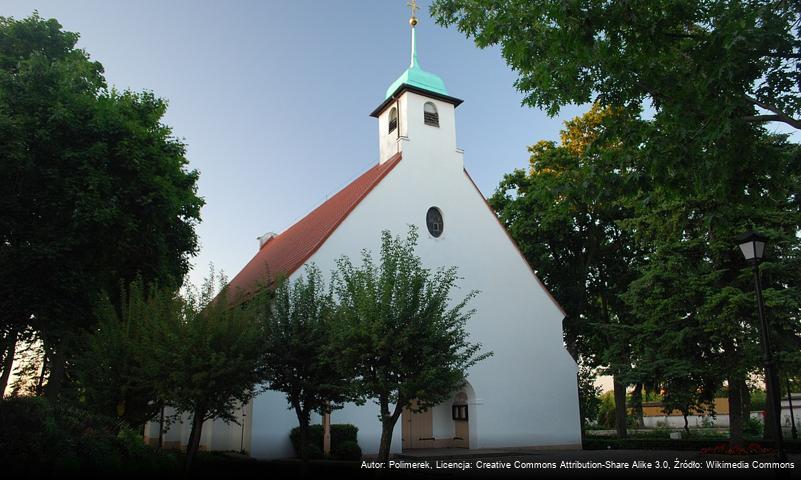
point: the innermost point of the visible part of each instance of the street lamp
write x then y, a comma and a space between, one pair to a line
752, 244
790, 404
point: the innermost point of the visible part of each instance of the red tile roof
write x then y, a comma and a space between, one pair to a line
288, 251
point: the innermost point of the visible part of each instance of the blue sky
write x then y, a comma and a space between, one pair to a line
273, 98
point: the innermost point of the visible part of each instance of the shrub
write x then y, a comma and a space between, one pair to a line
340, 433
39, 439
758, 400
30, 436
606, 410
347, 450
752, 426
724, 449
315, 437
696, 444
315, 452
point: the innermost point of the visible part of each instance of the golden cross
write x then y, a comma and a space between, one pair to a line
413, 6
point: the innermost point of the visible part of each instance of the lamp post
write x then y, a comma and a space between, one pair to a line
790, 404
242, 435
752, 244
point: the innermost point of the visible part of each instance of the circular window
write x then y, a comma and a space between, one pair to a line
434, 221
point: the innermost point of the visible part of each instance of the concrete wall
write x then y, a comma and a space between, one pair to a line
694, 421
721, 420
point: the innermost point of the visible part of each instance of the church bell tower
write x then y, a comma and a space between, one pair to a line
416, 108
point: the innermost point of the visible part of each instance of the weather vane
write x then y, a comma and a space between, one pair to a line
413, 6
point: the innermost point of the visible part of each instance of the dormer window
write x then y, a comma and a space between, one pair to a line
430, 115
393, 120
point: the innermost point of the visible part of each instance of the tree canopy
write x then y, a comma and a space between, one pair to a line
97, 190
118, 371
300, 352
210, 355
698, 81
721, 60
402, 337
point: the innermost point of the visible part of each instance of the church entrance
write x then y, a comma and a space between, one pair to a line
418, 428
446, 425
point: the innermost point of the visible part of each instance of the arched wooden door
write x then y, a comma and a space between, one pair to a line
417, 430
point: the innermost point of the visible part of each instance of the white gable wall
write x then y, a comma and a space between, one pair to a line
526, 393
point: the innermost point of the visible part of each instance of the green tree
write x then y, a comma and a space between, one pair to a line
401, 336
95, 187
211, 355
589, 395
722, 60
694, 296
682, 393
712, 74
300, 356
606, 410
115, 372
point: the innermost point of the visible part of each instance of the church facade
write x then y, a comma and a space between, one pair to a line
525, 395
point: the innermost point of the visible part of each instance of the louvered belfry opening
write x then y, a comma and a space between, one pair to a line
393, 120
430, 115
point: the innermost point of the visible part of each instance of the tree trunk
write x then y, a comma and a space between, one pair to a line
39, 389
57, 366
387, 427
571, 340
582, 413
161, 429
8, 361
327, 432
686, 425
745, 395
620, 408
735, 412
636, 405
303, 423
194, 437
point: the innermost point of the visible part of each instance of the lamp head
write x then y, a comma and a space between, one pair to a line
752, 244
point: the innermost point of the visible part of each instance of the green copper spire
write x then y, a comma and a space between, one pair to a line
414, 75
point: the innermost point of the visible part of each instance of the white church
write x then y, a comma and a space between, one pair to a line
524, 395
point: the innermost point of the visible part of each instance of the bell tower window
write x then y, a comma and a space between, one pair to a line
393, 120
430, 115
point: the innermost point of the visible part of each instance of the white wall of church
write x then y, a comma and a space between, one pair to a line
525, 394
366, 418
388, 142
216, 434
442, 420
271, 422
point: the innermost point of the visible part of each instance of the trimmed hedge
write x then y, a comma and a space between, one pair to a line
40, 439
347, 450
340, 435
